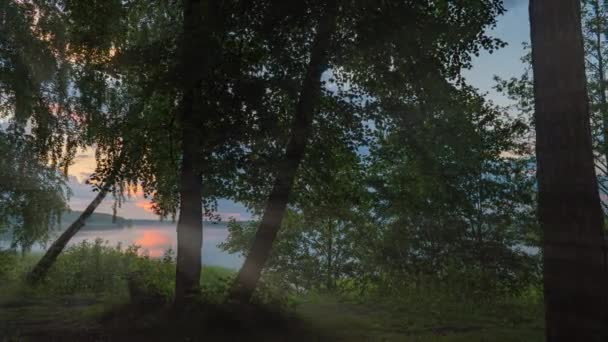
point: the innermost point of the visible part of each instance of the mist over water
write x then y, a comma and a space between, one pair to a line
157, 237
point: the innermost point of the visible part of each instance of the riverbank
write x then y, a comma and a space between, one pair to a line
88, 297
154, 239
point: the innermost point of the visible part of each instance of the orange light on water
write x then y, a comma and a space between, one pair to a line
153, 238
154, 243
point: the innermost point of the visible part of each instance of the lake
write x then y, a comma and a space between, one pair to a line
157, 237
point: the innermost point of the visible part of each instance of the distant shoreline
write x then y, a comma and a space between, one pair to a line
102, 221
107, 222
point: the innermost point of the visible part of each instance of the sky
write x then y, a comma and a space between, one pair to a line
513, 28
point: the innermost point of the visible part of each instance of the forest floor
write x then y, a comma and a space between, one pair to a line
323, 318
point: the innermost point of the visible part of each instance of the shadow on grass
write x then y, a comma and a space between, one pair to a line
60, 320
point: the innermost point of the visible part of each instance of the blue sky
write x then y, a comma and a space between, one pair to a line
513, 28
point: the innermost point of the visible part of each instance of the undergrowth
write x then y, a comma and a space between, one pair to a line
111, 279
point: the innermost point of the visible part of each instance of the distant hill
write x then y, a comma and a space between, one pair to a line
207, 224
95, 221
99, 221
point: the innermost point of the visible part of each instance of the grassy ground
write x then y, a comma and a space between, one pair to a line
92, 318
452, 322
87, 298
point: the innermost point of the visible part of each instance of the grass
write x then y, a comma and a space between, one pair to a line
384, 321
86, 298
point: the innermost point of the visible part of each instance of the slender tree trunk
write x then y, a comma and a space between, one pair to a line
569, 206
330, 246
601, 74
190, 222
310, 94
42, 267
479, 224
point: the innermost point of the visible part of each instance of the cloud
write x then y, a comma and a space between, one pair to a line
84, 165
135, 206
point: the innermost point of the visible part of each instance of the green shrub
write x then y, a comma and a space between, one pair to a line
151, 281
96, 268
90, 268
8, 265
274, 291
215, 283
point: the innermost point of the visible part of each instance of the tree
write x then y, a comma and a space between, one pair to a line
102, 95
131, 84
453, 192
569, 210
32, 194
34, 82
82, 108
190, 224
595, 30
318, 244
367, 52
270, 224
50, 256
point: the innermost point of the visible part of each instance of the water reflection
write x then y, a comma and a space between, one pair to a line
155, 239
154, 242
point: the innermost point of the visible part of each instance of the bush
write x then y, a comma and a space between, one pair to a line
215, 283
98, 268
8, 265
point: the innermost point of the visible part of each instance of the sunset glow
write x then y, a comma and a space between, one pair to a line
145, 205
155, 242
84, 165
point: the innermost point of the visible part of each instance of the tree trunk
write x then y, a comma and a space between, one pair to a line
330, 246
310, 94
568, 206
601, 80
42, 267
601, 74
190, 222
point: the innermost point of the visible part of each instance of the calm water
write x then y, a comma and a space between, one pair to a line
155, 238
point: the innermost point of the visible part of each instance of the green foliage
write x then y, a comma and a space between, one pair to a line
454, 190
298, 260
8, 260
215, 282
410, 179
96, 268
444, 197
32, 194
93, 267
595, 38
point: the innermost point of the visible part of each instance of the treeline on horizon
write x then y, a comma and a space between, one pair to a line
345, 127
